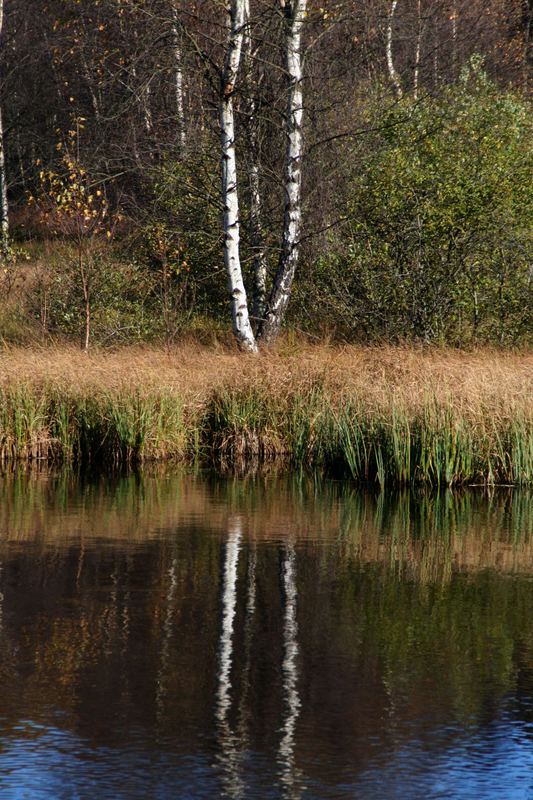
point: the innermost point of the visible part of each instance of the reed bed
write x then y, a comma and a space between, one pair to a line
385, 415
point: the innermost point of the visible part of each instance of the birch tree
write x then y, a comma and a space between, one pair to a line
418, 48
4, 208
230, 199
393, 75
178, 75
253, 157
294, 12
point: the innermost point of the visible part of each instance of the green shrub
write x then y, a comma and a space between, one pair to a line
437, 241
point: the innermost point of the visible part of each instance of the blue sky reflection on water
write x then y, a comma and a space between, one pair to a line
56, 765
494, 762
489, 763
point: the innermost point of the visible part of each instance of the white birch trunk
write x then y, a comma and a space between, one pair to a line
256, 206
178, 77
417, 49
435, 39
295, 12
4, 208
147, 111
257, 240
239, 305
393, 75
142, 94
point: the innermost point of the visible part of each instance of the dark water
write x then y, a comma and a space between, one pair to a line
179, 637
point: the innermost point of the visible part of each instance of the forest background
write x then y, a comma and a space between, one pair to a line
416, 192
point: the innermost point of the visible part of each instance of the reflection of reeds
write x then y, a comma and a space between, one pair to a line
426, 535
384, 415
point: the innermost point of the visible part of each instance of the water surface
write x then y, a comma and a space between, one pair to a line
179, 636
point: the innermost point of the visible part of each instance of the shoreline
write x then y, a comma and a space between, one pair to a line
385, 415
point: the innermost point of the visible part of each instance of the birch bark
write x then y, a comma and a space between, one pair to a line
294, 12
393, 75
4, 207
253, 158
417, 48
178, 76
239, 306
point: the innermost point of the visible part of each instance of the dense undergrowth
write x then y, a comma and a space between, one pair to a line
380, 415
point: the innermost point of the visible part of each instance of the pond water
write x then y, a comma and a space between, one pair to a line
181, 636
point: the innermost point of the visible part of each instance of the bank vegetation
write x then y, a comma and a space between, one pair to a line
386, 415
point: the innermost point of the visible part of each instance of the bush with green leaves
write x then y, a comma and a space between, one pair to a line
437, 234
120, 296
182, 242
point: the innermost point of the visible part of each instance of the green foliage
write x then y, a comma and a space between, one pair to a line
121, 427
438, 235
120, 295
73, 205
182, 243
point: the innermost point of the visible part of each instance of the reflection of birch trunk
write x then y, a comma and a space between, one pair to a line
162, 676
248, 634
289, 776
230, 200
125, 624
111, 617
4, 208
229, 603
229, 743
393, 75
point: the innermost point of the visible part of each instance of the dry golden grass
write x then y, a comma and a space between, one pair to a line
475, 382
379, 414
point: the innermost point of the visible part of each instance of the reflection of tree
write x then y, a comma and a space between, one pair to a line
233, 743
425, 535
402, 591
244, 707
289, 775
162, 678
230, 751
